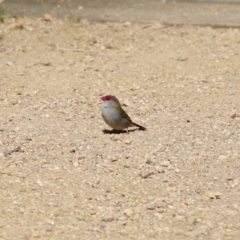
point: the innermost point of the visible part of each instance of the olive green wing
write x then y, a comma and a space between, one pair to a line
122, 112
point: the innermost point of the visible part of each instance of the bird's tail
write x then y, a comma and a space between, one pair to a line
140, 127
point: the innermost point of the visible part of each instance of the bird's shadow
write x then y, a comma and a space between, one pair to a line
115, 131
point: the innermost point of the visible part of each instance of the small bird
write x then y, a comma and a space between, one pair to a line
115, 116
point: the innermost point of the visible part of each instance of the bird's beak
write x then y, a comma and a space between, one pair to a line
103, 98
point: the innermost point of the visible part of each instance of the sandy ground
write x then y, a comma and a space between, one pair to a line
63, 178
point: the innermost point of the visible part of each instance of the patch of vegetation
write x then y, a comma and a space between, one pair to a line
75, 19
1, 36
2, 12
14, 16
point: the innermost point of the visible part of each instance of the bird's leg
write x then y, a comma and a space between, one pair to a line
127, 131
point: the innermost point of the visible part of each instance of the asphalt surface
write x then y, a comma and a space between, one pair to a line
216, 13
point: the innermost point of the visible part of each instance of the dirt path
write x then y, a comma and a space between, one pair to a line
63, 178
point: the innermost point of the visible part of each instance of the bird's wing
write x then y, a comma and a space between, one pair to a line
122, 112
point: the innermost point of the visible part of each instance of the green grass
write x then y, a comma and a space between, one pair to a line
14, 16
2, 12
75, 19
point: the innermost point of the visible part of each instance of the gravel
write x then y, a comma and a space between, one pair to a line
64, 177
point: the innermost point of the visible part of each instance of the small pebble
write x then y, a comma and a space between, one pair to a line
128, 141
165, 163
128, 212
75, 164
151, 206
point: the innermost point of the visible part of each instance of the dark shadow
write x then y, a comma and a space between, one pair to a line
115, 131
